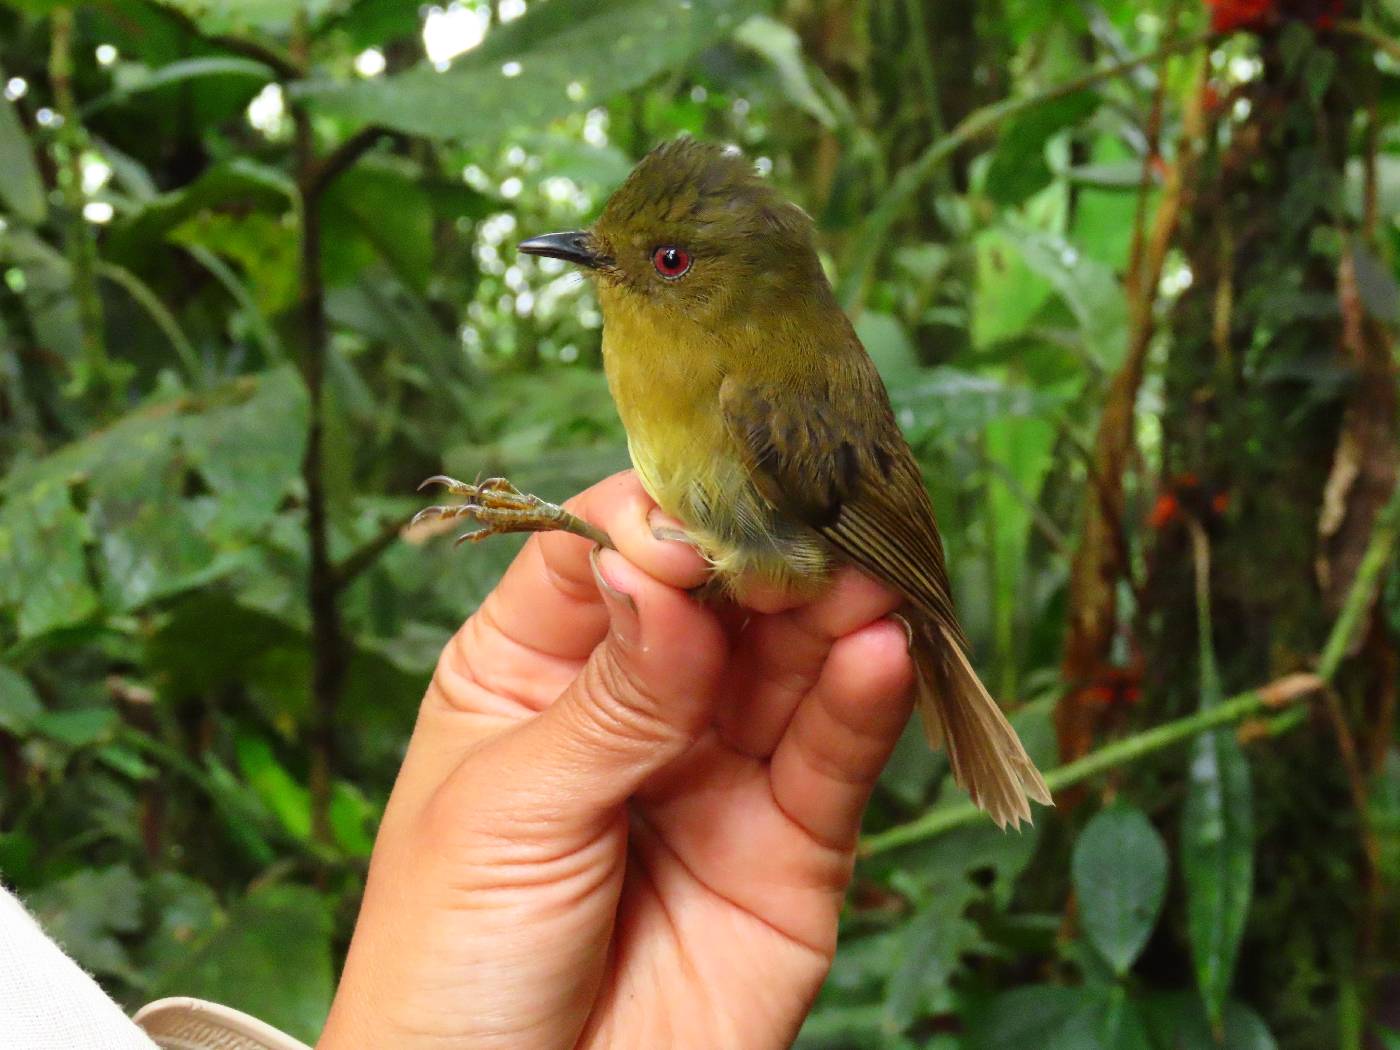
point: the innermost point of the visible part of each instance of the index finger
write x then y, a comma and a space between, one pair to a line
547, 601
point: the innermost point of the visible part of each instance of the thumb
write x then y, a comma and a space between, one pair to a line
640, 701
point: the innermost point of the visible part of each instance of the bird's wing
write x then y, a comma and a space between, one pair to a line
846, 473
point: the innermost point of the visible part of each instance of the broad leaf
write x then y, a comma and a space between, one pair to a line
88, 911
19, 704
288, 799
233, 185
1018, 167
1089, 288
1217, 832
21, 188
780, 45
271, 957
43, 567
1120, 880
561, 57
1217, 860
138, 80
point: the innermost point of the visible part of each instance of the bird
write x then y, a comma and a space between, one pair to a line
756, 418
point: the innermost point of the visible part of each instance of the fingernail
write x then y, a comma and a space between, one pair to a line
665, 527
908, 630
622, 609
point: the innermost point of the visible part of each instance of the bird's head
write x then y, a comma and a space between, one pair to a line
695, 233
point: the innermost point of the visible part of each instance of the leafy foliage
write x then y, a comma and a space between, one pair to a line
259, 280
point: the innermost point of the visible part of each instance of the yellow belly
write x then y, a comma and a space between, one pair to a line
689, 464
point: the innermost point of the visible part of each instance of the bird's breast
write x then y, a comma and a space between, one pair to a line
667, 396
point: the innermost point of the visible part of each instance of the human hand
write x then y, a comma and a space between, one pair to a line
625, 819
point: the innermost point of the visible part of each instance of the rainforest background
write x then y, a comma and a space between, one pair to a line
1128, 268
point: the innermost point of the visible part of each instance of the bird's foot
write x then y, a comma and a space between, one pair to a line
499, 507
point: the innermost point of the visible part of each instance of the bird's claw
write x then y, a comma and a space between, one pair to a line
500, 508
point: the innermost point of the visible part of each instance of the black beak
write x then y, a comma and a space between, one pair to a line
575, 247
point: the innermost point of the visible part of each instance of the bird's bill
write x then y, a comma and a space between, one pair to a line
574, 246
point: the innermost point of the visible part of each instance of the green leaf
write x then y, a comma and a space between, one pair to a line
19, 704
930, 946
572, 55
355, 232
1375, 284
1106, 1020
185, 910
1020, 450
1179, 1022
1018, 167
235, 184
1024, 1017
77, 728
139, 79
1009, 293
21, 188
248, 446
1110, 175
953, 404
245, 441
1384, 807
890, 348
271, 957
43, 567
1217, 832
1088, 287
352, 819
781, 46
288, 799
1217, 860
48, 293
253, 16
1120, 878
86, 912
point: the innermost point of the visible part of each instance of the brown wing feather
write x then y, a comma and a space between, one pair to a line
851, 478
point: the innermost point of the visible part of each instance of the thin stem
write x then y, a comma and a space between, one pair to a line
329, 648
95, 378
1121, 752
1205, 644
1370, 34
344, 157
281, 63
142, 295
1363, 587
350, 568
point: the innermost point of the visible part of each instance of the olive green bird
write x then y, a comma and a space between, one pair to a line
755, 417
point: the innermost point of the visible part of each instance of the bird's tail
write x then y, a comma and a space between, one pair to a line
958, 713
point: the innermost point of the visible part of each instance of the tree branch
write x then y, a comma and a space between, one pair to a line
274, 58
344, 156
329, 648
352, 566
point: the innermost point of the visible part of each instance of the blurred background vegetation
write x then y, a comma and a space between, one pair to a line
1127, 266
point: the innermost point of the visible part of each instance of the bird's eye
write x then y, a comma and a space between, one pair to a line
671, 262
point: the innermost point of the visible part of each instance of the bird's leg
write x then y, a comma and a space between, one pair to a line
499, 507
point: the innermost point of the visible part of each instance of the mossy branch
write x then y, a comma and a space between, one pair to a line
1229, 712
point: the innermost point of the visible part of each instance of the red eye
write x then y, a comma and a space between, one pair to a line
671, 262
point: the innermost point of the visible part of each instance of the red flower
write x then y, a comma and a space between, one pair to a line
1164, 511
1226, 16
